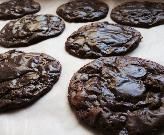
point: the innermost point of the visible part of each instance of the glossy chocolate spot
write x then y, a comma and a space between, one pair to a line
129, 87
134, 71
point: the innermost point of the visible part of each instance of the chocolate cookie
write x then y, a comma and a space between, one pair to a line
25, 77
139, 14
30, 29
120, 95
83, 11
102, 39
17, 8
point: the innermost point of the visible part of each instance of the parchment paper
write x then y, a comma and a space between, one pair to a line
51, 115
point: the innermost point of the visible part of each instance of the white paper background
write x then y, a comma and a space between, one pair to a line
51, 115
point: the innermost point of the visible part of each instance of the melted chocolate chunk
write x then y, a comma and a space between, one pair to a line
119, 95
83, 11
30, 29
140, 14
18, 8
102, 39
25, 77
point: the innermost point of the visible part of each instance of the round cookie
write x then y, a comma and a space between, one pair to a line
30, 29
25, 77
119, 95
140, 14
102, 39
83, 11
14, 9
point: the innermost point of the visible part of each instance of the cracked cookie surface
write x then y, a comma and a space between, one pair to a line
83, 11
30, 29
25, 77
102, 39
140, 14
14, 9
119, 95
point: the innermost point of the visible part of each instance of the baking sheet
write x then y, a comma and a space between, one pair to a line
51, 115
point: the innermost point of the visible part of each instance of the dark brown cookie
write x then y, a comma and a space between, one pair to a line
17, 8
30, 29
120, 95
140, 14
25, 77
102, 39
83, 11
